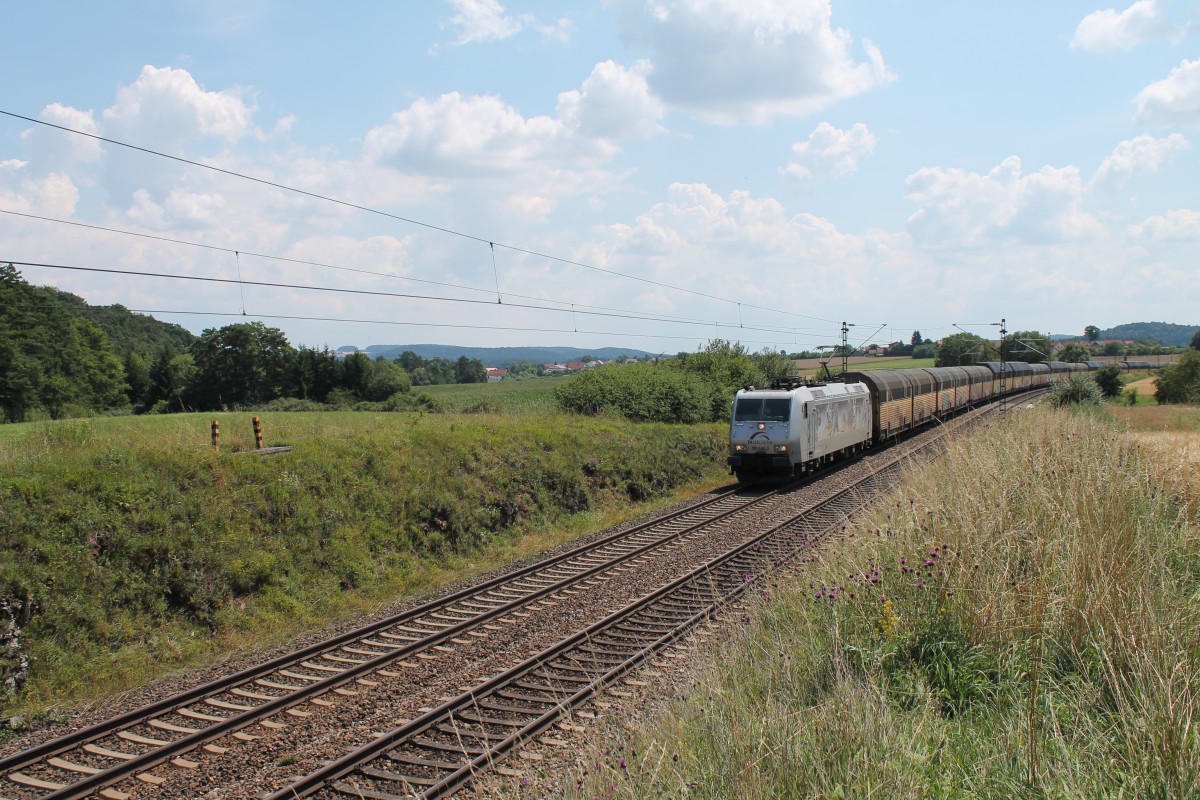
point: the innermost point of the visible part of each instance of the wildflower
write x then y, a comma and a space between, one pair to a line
920, 584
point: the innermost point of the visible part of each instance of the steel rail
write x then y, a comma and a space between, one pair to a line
814, 520
97, 780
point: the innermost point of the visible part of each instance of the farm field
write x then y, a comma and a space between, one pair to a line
527, 396
142, 550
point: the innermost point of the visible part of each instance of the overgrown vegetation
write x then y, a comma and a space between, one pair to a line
692, 387
1076, 389
132, 547
1021, 620
1180, 382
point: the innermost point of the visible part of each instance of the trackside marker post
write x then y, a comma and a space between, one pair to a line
258, 445
216, 435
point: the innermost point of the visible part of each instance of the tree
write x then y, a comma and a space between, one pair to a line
1092, 333
246, 363
916, 338
1195, 345
315, 374
50, 359
1031, 346
1109, 380
961, 349
169, 376
469, 370
773, 364
1113, 349
1075, 353
1180, 382
387, 378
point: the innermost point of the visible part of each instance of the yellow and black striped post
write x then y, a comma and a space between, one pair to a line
258, 445
216, 435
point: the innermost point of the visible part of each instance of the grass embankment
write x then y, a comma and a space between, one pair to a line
1019, 621
142, 549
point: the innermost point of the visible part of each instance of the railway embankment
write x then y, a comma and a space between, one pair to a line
1020, 619
131, 547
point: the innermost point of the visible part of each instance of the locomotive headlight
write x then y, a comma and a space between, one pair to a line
781, 448
737, 448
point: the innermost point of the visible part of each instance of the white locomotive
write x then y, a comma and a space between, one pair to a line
795, 426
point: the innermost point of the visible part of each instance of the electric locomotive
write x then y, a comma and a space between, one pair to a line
795, 426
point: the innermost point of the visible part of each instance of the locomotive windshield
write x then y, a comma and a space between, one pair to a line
764, 409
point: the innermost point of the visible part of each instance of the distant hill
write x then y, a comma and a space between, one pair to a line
502, 356
1162, 332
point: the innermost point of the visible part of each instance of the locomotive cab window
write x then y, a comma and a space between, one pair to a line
768, 409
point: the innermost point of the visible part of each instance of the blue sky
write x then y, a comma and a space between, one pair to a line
653, 174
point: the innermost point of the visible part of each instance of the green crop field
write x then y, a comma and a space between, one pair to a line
527, 396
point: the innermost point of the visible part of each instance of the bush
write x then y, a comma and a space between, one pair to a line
1076, 390
642, 393
292, 404
1180, 382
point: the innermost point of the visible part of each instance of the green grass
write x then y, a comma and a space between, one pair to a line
144, 550
1020, 620
527, 396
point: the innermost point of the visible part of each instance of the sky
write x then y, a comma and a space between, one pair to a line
642, 174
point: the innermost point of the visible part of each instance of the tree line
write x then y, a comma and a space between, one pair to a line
60, 357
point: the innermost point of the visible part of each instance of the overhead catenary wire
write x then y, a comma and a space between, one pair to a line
390, 322
304, 262
365, 292
398, 217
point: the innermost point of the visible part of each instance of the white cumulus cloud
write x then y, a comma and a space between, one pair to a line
613, 103
54, 149
1109, 30
1139, 155
1175, 100
457, 136
489, 21
830, 152
53, 195
734, 62
1180, 225
167, 107
960, 208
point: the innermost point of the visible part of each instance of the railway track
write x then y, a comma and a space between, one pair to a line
94, 760
435, 754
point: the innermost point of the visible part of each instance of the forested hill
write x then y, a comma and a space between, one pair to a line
1161, 332
1167, 333
502, 356
127, 332
61, 355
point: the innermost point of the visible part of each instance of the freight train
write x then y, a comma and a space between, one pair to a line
796, 425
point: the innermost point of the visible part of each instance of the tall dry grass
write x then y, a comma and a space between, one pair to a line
1020, 620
